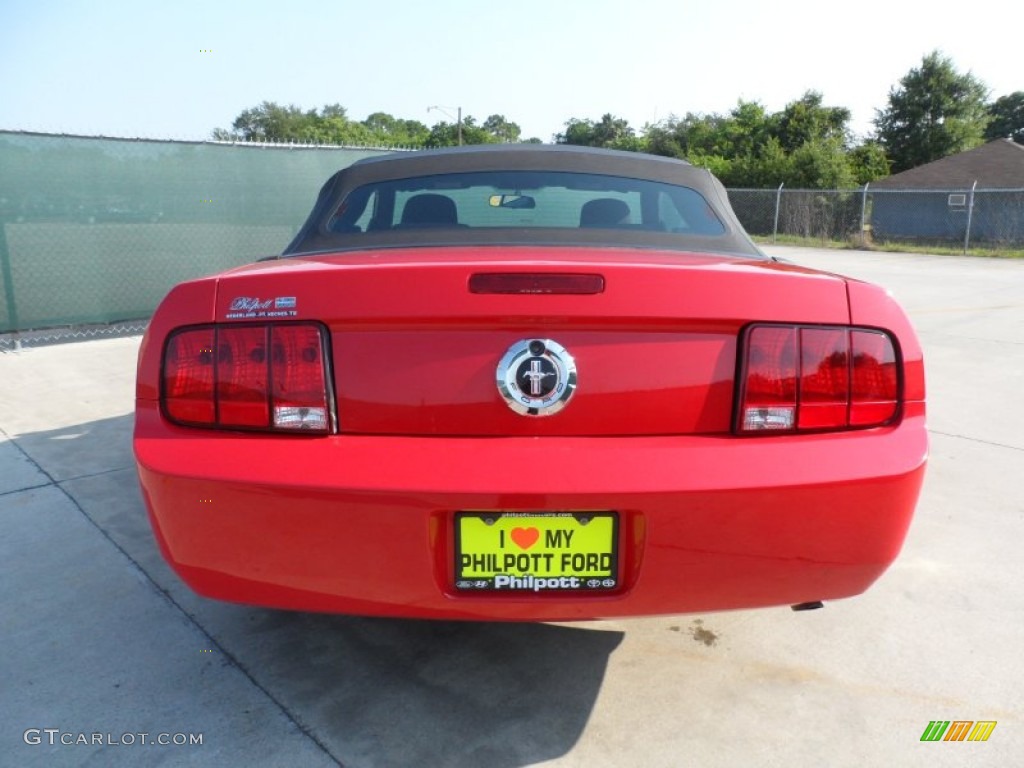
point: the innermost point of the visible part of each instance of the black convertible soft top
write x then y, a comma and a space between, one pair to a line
320, 232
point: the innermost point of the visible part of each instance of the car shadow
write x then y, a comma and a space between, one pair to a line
81, 450
370, 691
396, 692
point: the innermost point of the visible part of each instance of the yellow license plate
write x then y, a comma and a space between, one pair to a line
536, 551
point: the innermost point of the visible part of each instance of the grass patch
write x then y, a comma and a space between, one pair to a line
864, 244
802, 242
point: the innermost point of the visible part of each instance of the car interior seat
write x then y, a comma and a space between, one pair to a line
430, 210
604, 212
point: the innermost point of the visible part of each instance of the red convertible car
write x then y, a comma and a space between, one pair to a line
528, 383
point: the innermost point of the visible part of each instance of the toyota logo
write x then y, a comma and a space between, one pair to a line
537, 377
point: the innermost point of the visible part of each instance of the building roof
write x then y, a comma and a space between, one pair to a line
999, 164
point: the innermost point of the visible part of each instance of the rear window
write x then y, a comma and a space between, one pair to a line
549, 200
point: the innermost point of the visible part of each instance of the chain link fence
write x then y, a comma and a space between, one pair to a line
95, 231
952, 218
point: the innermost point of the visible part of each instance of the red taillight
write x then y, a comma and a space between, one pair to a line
802, 378
875, 386
242, 377
771, 374
298, 390
188, 377
248, 376
824, 378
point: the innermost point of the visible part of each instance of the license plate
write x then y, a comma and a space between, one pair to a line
536, 551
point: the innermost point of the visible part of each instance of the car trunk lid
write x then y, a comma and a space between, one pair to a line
417, 335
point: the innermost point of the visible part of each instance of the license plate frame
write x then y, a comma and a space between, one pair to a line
554, 552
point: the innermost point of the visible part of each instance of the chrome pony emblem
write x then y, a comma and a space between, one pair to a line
537, 377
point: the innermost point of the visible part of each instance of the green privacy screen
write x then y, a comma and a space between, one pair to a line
98, 230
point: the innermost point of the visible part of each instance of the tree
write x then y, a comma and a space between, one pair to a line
447, 134
820, 164
746, 130
936, 111
868, 162
272, 122
614, 132
693, 135
1007, 113
764, 168
443, 135
609, 132
806, 120
329, 125
332, 111
805, 145
501, 129
577, 132
388, 130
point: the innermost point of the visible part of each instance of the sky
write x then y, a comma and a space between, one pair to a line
177, 69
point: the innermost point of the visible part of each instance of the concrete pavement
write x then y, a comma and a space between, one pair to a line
101, 638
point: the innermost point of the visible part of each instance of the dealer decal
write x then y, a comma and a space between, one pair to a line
246, 307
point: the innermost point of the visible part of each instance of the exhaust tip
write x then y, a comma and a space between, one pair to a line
812, 606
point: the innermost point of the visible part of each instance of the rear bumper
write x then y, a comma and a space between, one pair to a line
364, 525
